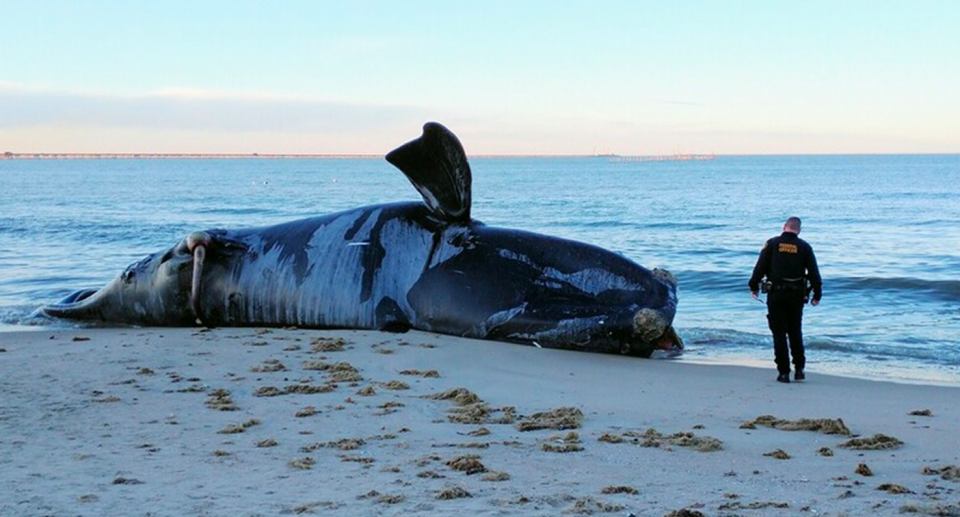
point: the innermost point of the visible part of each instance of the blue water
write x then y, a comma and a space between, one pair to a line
885, 230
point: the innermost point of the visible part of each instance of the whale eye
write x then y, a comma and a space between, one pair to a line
128, 276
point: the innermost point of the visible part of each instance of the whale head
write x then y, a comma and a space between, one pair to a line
153, 291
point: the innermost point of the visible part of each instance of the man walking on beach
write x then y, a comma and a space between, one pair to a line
788, 263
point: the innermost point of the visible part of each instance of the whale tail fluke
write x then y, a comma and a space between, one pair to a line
437, 166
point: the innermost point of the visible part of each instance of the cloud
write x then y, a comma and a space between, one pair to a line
193, 110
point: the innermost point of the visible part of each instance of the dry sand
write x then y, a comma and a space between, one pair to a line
244, 422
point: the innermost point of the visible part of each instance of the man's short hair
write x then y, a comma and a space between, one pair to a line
793, 223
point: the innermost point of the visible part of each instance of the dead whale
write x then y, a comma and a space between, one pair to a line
415, 265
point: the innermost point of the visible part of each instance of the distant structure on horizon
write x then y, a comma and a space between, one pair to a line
680, 157
612, 157
159, 156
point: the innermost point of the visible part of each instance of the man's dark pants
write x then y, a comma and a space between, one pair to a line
785, 315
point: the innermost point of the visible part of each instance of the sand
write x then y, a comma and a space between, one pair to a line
246, 422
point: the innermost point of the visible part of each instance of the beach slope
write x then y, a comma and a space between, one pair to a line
268, 422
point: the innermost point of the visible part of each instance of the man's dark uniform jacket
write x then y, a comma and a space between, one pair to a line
785, 261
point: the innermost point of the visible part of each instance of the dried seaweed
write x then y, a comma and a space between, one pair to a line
877, 442
820, 425
559, 419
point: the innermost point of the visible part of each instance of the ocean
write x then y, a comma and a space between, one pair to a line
886, 231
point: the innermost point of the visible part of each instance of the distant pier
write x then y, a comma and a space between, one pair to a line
167, 156
663, 158
613, 158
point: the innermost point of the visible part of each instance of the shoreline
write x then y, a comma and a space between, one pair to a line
702, 357
826, 369
101, 421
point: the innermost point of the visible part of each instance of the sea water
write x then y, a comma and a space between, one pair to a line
885, 229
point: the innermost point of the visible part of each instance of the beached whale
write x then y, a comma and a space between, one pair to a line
422, 265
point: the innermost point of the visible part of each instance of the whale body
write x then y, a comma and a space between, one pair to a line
411, 265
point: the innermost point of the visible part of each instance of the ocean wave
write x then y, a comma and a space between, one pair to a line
944, 290
603, 223
607, 224
681, 226
940, 290
908, 349
711, 281
885, 351
708, 337
222, 210
24, 316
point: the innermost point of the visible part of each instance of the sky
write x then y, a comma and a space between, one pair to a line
508, 77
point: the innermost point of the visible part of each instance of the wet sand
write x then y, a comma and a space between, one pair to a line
271, 422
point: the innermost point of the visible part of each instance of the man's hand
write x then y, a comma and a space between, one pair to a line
815, 302
755, 294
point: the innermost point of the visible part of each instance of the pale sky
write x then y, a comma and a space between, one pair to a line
509, 77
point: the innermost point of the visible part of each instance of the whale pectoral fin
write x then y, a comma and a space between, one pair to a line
390, 317
437, 166
395, 327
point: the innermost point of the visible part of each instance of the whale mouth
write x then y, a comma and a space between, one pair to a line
670, 341
78, 305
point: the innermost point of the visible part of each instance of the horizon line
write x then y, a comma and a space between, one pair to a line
613, 156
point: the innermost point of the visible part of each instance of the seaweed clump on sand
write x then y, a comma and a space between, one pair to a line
939, 510
567, 443
698, 443
326, 344
495, 476
877, 442
655, 439
220, 400
459, 396
589, 506
305, 463
428, 374
343, 372
756, 505
239, 428
948, 473
468, 464
894, 488
471, 409
778, 454
367, 391
268, 366
396, 385
559, 419
685, 512
610, 438
820, 425
621, 489
453, 493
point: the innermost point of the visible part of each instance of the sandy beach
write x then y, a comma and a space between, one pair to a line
252, 422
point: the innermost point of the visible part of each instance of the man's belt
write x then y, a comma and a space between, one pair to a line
788, 284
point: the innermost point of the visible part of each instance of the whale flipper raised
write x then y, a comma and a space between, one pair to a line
437, 166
